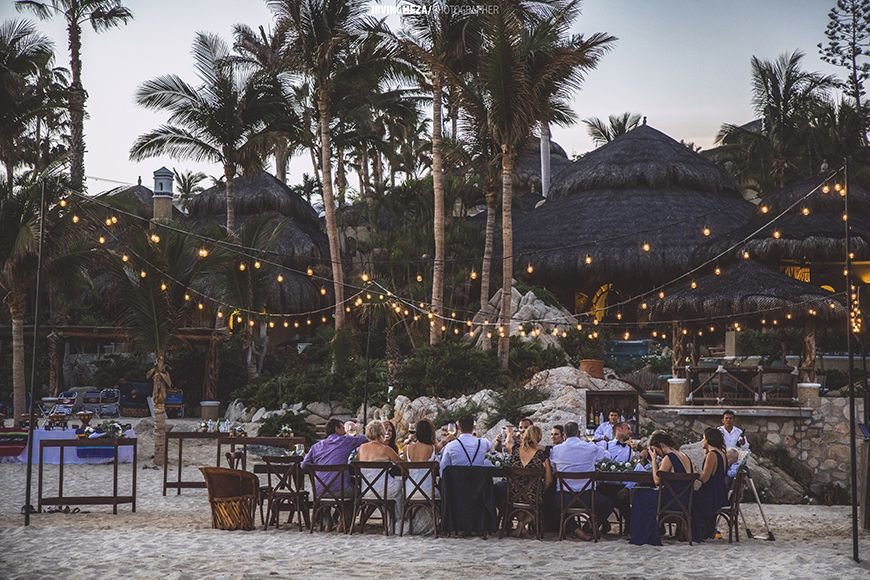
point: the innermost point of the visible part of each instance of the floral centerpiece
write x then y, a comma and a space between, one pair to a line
285, 431
498, 459
238, 431
612, 466
111, 429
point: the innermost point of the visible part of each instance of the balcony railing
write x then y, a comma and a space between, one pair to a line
729, 385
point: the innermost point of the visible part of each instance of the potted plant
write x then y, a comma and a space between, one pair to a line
592, 358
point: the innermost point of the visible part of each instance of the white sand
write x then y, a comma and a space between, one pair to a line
171, 537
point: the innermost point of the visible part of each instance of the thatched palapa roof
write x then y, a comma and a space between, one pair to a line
746, 287
527, 169
642, 187
818, 236
301, 243
135, 199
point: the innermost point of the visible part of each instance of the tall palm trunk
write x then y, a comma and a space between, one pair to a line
486, 266
367, 190
159, 426
438, 226
329, 208
76, 110
507, 241
545, 158
17, 309
340, 177
229, 174
282, 155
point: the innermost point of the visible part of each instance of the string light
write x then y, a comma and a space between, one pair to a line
200, 306
143, 274
242, 267
187, 297
109, 222
163, 288
826, 188
251, 322
646, 247
837, 187
239, 319
661, 294
220, 314
62, 203
419, 277
286, 324
155, 238
845, 217
745, 254
473, 274
644, 305
202, 252
125, 258
280, 278
694, 284
102, 239
75, 219
114, 220
776, 234
322, 291
805, 211
309, 271
764, 208
365, 277
619, 315
257, 264
588, 260
718, 271
271, 324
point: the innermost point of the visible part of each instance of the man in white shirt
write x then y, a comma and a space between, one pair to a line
576, 455
618, 447
604, 432
465, 449
733, 435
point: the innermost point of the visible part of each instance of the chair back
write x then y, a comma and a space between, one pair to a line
287, 472
422, 489
675, 493
223, 482
329, 482
570, 498
373, 479
91, 398
110, 396
531, 480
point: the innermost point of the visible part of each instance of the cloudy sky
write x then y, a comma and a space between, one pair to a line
682, 63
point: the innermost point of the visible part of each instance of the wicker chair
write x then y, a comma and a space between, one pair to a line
675, 500
233, 495
534, 481
371, 494
571, 503
423, 493
731, 512
288, 493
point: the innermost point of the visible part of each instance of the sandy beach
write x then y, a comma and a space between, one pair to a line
171, 537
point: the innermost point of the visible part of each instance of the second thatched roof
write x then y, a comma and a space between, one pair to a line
747, 288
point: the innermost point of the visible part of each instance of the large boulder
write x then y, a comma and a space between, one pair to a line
235, 412
551, 381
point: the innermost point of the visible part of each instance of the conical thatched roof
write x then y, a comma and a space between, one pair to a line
642, 187
820, 235
643, 158
746, 287
302, 242
132, 198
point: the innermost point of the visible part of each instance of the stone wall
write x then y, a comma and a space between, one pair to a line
816, 435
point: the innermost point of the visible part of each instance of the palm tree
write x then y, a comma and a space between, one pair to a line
151, 315
324, 38
786, 98
24, 53
603, 132
228, 118
62, 255
102, 15
441, 37
188, 184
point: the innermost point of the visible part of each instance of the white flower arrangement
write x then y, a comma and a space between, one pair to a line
498, 459
111, 429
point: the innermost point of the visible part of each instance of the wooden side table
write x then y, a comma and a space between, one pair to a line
179, 484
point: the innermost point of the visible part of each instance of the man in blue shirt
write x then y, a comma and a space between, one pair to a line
576, 455
467, 449
604, 432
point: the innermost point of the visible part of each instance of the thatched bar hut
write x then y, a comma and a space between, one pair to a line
633, 213
747, 289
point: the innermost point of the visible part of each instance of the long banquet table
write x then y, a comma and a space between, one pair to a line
51, 455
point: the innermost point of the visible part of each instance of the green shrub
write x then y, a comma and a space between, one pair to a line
115, 367
449, 369
528, 358
578, 346
296, 421
509, 403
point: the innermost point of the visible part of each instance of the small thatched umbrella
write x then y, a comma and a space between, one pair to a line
302, 242
747, 288
813, 231
642, 188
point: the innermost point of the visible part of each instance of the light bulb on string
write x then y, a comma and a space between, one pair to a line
826, 188
837, 187
706, 231
239, 319
717, 271
202, 252
114, 219
745, 254
646, 247
365, 277
694, 284
163, 287
588, 260
75, 219
280, 278
286, 324
661, 294
309, 271
777, 234
644, 305
530, 269
619, 315
155, 238
251, 322
473, 274
845, 217
200, 306
805, 211
62, 203
143, 274
764, 208
125, 258
102, 239
323, 291
308, 322
242, 267
419, 277
257, 264
323, 319
271, 324
186, 296
220, 314
109, 222
295, 324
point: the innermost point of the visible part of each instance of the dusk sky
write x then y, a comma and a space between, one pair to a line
682, 63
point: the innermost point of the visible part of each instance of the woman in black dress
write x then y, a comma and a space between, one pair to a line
713, 493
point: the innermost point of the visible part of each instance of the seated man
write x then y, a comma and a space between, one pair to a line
577, 455
734, 436
620, 451
334, 450
467, 449
604, 432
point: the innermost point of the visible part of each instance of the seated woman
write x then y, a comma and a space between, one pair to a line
664, 458
423, 448
377, 450
529, 454
390, 430
713, 493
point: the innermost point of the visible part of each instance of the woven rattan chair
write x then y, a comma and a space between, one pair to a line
371, 494
233, 495
675, 500
285, 490
571, 502
423, 494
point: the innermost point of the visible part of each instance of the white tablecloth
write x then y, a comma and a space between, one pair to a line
52, 454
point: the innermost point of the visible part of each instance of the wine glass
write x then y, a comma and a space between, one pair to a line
451, 428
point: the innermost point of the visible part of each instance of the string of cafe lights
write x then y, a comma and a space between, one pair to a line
411, 303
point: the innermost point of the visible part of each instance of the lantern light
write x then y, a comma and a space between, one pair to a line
257, 264
588, 260
310, 271
706, 231
125, 258
155, 238
530, 269
102, 239
143, 274
75, 219
419, 277
280, 278
473, 274
203, 252
242, 267
646, 247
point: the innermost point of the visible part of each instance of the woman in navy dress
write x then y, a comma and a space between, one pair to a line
713, 493
664, 457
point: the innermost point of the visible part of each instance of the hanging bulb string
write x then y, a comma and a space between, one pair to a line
205, 297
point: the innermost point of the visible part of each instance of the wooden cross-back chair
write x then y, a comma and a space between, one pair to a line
288, 493
371, 494
420, 494
675, 500
530, 505
572, 506
324, 497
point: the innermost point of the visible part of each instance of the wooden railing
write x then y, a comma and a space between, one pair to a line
728, 385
